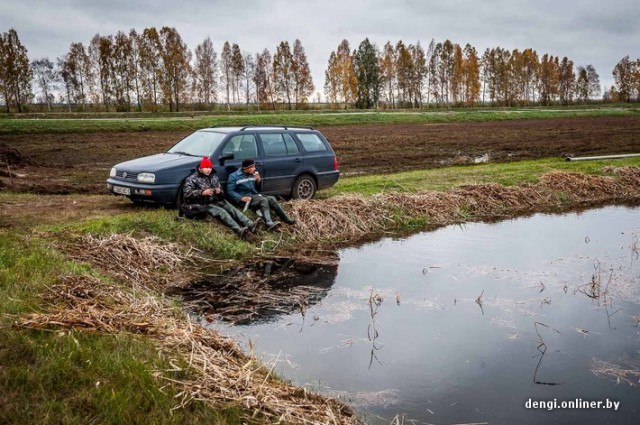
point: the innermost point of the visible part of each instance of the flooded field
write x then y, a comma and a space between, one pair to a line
466, 324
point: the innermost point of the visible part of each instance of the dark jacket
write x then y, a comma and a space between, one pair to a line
241, 184
198, 182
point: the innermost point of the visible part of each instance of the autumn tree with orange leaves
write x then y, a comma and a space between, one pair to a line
302, 81
341, 84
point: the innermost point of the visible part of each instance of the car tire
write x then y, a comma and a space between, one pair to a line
304, 187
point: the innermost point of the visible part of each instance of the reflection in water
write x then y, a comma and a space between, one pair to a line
542, 348
375, 300
262, 293
492, 315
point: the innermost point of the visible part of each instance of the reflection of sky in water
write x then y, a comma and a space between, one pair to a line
438, 356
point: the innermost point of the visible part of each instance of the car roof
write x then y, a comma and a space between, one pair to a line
255, 127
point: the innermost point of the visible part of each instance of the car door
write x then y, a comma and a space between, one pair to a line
281, 162
238, 148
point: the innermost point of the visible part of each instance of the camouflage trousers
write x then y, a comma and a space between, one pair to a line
229, 215
264, 204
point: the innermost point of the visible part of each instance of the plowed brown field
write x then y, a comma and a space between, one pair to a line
80, 162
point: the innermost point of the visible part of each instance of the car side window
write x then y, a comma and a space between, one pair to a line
242, 146
292, 148
277, 144
311, 142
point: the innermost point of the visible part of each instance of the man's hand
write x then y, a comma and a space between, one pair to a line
256, 175
245, 198
207, 192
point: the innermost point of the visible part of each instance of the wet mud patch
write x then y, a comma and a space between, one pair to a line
261, 292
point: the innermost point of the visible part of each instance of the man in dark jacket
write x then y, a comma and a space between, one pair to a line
202, 189
242, 188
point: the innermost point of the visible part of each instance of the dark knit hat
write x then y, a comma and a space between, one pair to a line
206, 163
248, 163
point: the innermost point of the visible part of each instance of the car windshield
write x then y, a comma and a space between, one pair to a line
200, 143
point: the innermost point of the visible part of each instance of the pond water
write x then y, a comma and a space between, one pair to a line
465, 324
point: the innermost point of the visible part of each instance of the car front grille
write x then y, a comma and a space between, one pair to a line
126, 175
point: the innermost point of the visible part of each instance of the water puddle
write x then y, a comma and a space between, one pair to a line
467, 323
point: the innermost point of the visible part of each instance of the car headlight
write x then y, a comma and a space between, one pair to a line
147, 178
113, 172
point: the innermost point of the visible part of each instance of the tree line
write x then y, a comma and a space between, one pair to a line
446, 73
155, 70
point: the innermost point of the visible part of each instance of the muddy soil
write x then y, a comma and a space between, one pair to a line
80, 162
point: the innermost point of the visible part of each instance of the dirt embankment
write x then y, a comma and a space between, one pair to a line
80, 162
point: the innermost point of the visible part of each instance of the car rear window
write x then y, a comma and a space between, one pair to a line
311, 142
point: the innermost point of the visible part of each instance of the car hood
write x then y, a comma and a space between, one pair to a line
158, 162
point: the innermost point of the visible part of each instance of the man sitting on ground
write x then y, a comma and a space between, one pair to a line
242, 188
202, 188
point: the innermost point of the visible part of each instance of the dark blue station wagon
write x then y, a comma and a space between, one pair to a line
293, 161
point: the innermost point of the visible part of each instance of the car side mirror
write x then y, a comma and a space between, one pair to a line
223, 158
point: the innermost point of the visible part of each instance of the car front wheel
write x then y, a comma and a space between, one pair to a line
304, 187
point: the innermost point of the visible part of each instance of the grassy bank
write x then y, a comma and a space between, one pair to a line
59, 373
68, 376
508, 174
141, 122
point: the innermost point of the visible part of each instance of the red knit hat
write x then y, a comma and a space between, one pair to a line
206, 163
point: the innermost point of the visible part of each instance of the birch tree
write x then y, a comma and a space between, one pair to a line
302, 80
237, 71
332, 79
262, 77
623, 77
45, 77
594, 81
176, 61
388, 73
205, 73
15, 71
582, 85
226, 69
249, 77
367, 74
283, 73
150, 67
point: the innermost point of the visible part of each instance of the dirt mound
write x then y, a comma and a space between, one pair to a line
12, 157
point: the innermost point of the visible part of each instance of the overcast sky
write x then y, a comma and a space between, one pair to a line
592, 32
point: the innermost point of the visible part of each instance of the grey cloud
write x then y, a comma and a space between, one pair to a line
588, 32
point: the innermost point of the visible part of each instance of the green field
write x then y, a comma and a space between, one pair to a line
65, 123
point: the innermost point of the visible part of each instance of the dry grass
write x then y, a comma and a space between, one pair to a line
353, 217
147, 262
222, 374
629, 375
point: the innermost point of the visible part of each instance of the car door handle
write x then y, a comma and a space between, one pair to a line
298, 160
